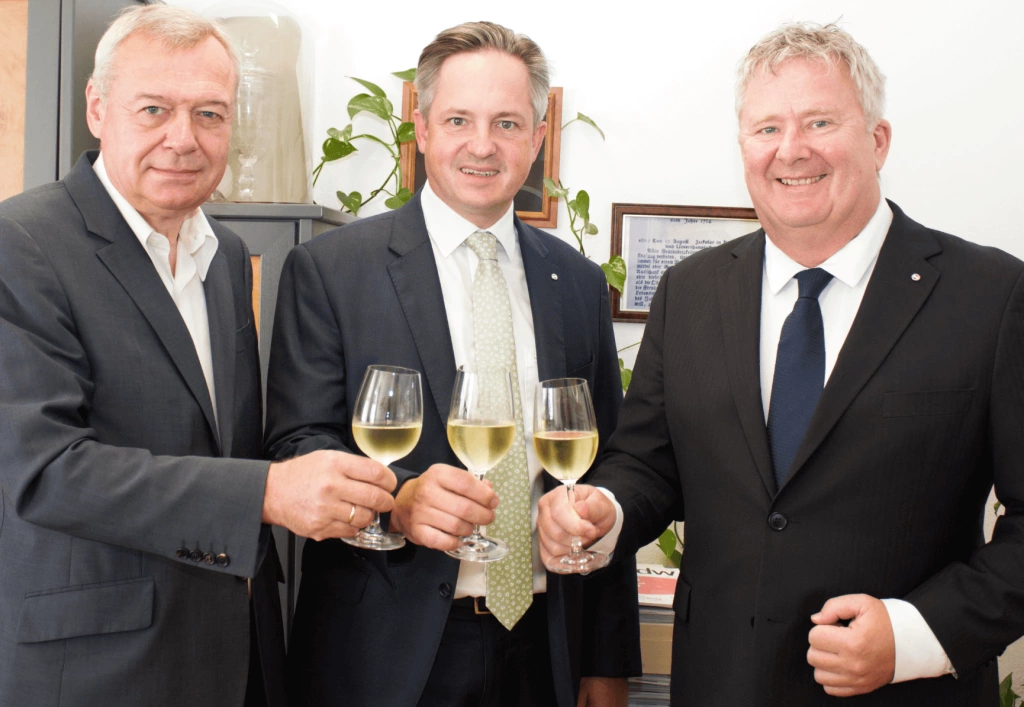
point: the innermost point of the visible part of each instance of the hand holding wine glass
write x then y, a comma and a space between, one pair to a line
481, 429
386, 425
566, 440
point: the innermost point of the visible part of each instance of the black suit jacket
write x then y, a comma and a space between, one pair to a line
113, 461
368, 624
923, 411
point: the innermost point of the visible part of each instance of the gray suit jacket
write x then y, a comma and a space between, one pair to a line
113, 469
368, 624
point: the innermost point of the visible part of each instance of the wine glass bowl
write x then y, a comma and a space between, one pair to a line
386, 425
566, 440
481, 430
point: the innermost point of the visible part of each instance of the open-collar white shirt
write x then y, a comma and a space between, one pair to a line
196, 246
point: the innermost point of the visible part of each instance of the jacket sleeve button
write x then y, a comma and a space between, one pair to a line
196, 555
183, 553
223, 560
209, 558
445, 590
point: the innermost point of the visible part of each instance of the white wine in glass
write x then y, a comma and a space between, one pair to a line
481, 429
565, 439
386, 425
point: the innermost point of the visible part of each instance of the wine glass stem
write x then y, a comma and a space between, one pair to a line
575, 544
374, 527
475, 537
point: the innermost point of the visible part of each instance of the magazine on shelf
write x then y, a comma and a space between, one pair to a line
656, 584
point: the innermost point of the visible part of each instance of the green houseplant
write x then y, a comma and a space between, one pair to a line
339, 144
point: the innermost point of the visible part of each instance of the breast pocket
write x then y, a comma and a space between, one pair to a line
930, 402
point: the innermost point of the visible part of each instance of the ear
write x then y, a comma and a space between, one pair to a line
95, 109
421, 130
882, 135
538, 137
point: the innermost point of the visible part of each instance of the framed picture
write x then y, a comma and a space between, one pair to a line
651, 238
533, 204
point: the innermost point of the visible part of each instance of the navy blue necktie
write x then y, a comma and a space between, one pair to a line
799, 373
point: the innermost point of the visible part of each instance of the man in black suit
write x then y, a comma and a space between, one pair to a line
412, 626
827, 403
134, 502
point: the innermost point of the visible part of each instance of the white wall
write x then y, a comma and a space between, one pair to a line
658, 77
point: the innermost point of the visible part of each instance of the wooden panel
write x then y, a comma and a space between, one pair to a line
14, 40
256, 291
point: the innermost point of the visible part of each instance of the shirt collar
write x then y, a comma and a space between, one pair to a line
196, 233
849, 265
449, 230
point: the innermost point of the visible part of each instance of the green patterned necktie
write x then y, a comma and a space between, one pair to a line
509, 581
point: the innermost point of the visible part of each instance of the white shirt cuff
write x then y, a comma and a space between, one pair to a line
607, 543
918, 652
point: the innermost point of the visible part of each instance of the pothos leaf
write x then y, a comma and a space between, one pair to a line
372, 87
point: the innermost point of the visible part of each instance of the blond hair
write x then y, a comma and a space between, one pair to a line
829, 44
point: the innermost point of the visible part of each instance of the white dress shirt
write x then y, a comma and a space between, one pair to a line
197, 245
918, 653
456, 267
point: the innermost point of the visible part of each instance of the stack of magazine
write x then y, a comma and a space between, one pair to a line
648, 691
656, 586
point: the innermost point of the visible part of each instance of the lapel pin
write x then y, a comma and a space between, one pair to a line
915, 277
554, 276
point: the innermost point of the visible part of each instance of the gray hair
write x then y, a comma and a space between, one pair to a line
828, 44
174, 27
476, 37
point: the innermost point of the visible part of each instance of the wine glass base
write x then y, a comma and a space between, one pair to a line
479, 549
583, 563
376, 541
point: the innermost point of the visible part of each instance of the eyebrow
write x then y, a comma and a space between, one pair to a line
159, 98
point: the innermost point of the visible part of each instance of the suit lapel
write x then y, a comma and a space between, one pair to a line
220, 311
414, 276
128, 262
546, 303
891, 301
739, 296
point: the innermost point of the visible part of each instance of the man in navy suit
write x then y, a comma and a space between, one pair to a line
827, 403
412, 626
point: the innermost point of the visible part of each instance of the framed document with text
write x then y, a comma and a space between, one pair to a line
653, 237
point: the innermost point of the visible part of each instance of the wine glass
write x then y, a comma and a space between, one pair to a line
386, 425
481, 429
565, 439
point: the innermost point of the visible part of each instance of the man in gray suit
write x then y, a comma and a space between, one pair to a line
134, 507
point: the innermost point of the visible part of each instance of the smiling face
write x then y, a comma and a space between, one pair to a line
479, 140
810, 161
165, 126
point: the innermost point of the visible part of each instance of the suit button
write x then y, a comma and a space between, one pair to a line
209, 559
223, 560
183, 553
777, 521
196, 555
445, 590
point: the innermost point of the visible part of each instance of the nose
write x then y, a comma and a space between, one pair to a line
180, 135
481, 144
793, 146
